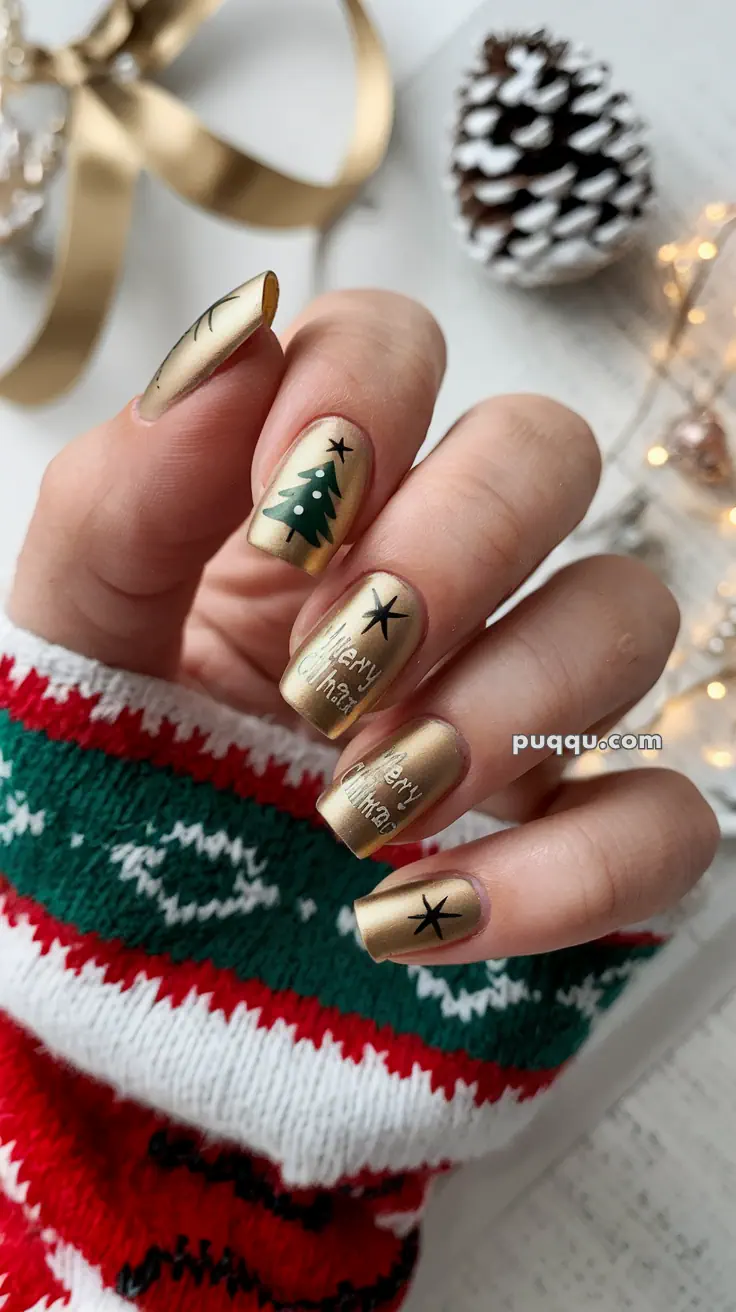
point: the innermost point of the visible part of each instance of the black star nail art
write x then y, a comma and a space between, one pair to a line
431, 916
382, 613
340, 448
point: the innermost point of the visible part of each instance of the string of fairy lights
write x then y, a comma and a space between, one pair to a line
704, 663
689, 265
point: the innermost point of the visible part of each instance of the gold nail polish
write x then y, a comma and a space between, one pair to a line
209, 342
348, 662
393, 785
418, 917
312, 500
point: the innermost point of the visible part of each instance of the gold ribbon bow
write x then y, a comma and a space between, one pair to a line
117, 128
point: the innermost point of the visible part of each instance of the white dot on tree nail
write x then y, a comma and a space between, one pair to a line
316, 495
320, 473
298, 510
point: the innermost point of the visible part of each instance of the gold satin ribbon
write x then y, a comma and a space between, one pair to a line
117, 129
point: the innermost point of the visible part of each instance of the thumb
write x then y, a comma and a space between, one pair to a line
129, 514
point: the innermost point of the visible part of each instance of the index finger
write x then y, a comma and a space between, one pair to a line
130, 512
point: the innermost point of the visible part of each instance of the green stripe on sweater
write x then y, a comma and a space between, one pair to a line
114, 847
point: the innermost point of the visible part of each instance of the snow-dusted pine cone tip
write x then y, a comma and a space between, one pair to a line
549, 166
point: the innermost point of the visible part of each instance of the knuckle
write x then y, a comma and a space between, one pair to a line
550, 431
494, 528
637, 587
631, 612
542, 453
557, 686
627, 874
492, 536
605, 893
691, 825
360, 331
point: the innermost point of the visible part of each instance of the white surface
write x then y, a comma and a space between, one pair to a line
494, 1228
588, 347
414, 29
641, 1215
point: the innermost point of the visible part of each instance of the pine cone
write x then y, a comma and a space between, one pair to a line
549, 167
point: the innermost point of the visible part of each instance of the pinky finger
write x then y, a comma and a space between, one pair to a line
612, 852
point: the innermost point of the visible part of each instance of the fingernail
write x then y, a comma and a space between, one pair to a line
307, 509
209, 342
342, 669
418, 917
393, 785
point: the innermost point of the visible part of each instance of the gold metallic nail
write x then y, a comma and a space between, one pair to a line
418, 917
348, 662
313, 498
393, 785
210, 341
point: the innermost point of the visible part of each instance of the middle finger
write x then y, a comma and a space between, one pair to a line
467, 526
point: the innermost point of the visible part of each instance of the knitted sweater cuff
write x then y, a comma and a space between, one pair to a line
176, 926
167, 879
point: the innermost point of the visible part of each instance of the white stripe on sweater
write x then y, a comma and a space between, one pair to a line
318, 1115
83, 1282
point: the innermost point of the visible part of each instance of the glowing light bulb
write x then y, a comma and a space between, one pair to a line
696, 315
666, 254
660, 351
726, 588
659, 455
716, 212
672, 292
716, 690
732, 515
720, 757
707, 250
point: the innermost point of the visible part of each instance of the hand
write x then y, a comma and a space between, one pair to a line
137, 556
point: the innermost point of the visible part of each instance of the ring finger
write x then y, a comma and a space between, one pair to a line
594, 637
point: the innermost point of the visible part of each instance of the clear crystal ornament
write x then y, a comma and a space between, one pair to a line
28, 158
11, 41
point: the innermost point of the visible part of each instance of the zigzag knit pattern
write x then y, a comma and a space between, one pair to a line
210, 1096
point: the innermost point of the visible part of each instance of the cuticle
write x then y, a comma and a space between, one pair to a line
485, 902
135, 410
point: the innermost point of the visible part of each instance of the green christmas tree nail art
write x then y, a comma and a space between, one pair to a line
307, 509
314, 495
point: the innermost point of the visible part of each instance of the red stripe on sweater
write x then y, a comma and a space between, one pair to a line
126, 738
223, 991
634, 938
25, 1278
84, 1155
